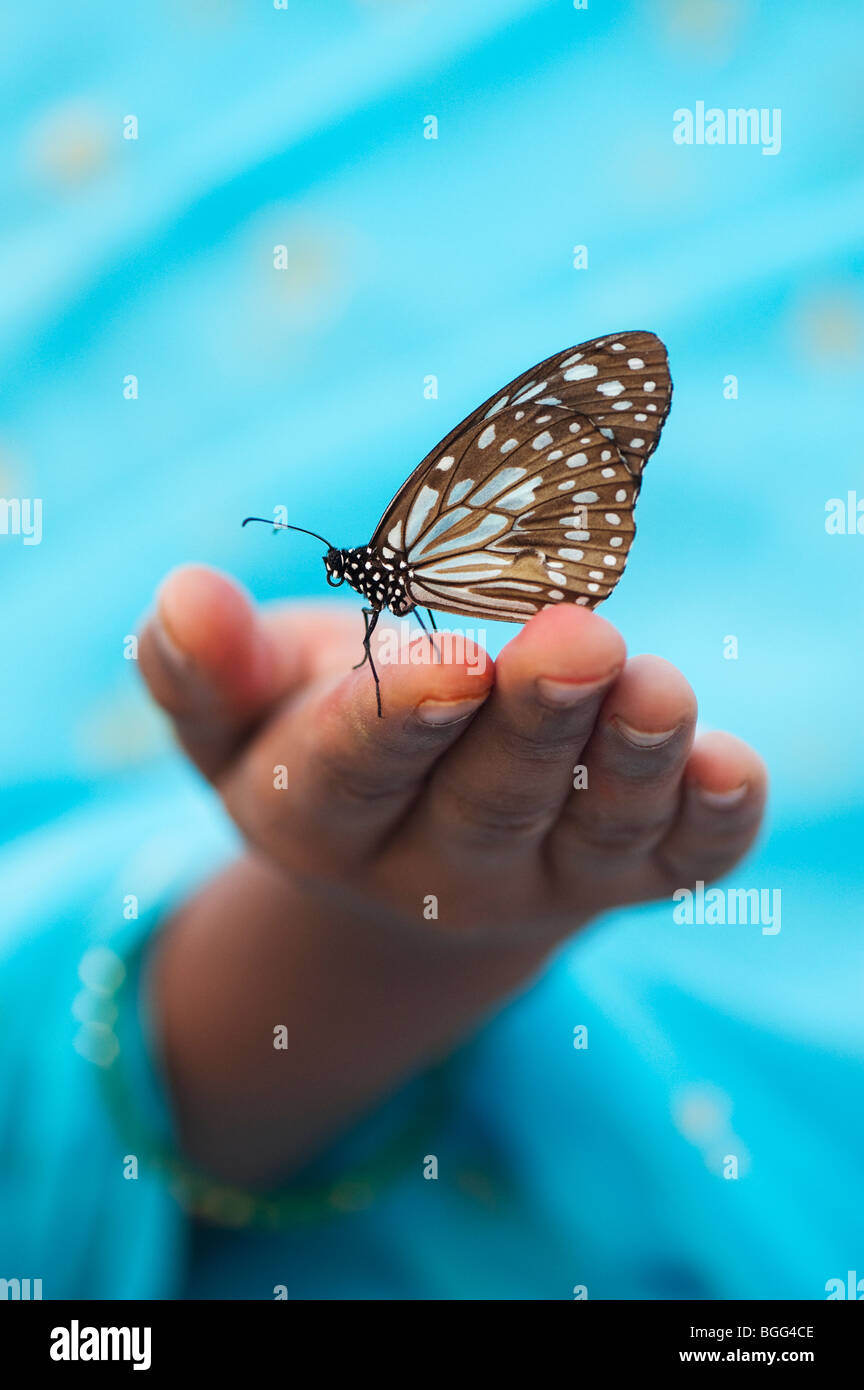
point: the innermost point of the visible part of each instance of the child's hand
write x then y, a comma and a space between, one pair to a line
416, 869
462, 791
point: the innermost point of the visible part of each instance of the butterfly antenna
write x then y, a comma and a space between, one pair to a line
282, 526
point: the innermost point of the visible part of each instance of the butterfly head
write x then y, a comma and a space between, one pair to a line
334, 564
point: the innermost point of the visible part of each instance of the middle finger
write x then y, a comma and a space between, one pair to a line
505, 781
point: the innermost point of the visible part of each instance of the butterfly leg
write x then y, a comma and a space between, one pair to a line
428, 633
370, 618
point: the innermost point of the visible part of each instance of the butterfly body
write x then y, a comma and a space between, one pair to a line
528, 502
383, 576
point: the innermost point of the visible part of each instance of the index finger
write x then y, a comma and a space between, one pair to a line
348, 777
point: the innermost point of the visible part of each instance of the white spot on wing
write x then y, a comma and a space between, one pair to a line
521, 497
444, 523
610, 388
486, 529
583, 372
530, 390
500, 480
486, 437
459, 491
483, 602
424, 503
474, 565
517, 584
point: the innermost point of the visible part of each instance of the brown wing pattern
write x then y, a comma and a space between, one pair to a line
529, 502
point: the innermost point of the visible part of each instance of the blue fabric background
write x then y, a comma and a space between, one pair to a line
409, 257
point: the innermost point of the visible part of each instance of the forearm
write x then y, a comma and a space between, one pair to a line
364, 1004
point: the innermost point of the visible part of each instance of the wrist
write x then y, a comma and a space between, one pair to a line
365, 1004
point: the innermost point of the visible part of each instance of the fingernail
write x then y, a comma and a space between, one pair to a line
447, 711
171, 653
563, 693
641, 738
722, 799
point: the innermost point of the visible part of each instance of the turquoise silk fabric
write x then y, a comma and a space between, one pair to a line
450, 192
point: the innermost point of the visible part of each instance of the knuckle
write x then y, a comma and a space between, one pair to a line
705, 860
259, 810
479, 817
354, 785
548, 744
680, 868
648, 767
623, 834
357, 769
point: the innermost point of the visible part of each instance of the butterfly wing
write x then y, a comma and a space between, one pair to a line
525, 522
529, 501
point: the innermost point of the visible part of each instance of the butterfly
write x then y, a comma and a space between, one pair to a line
527, 503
